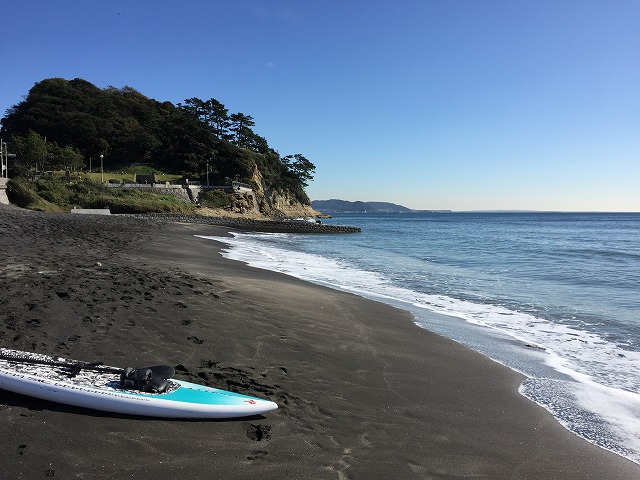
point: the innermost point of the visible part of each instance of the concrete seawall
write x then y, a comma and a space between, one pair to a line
4, 200
275, 226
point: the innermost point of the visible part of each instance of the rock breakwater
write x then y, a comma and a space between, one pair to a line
276, 226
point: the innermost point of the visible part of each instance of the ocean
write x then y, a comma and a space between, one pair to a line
555, 296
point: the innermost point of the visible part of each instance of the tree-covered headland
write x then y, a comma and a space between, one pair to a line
74, 126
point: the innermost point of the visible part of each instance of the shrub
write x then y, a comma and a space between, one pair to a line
216, 199
21, 192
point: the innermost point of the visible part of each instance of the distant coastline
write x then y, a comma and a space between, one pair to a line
345, 206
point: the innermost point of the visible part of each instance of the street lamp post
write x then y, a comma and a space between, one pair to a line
4, 159
101, 169
3, 162
207, 173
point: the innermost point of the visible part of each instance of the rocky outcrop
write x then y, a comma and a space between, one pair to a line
274, 203
244, 202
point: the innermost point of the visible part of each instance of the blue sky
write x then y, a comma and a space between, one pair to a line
432, 104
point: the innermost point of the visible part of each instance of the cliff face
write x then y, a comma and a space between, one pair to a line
283, 205
274, 203
256, 205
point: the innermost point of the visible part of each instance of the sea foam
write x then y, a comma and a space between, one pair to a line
588, 383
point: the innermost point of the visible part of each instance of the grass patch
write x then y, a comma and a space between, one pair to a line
55, 194
126, 175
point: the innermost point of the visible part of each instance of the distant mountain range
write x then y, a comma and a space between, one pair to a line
344, 206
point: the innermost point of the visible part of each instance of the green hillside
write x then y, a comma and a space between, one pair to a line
74, 126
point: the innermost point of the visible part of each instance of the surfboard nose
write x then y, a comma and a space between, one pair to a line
267, 406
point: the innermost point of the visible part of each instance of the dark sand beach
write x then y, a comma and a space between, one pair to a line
363, 392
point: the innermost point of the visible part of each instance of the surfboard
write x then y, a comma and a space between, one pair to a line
100, 387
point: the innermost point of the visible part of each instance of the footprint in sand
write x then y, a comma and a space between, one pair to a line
256, 455
259, 432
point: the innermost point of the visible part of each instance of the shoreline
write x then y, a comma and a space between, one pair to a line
363, 391
512, 351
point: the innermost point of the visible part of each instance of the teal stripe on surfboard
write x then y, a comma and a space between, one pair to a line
193, 393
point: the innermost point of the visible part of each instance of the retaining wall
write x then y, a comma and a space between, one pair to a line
91, 211
180, 192
4, 200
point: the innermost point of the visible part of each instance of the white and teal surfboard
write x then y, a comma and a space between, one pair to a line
101, 388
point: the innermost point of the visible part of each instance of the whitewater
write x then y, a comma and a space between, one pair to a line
551, 295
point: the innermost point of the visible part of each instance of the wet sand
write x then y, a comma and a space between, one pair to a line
363, 392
